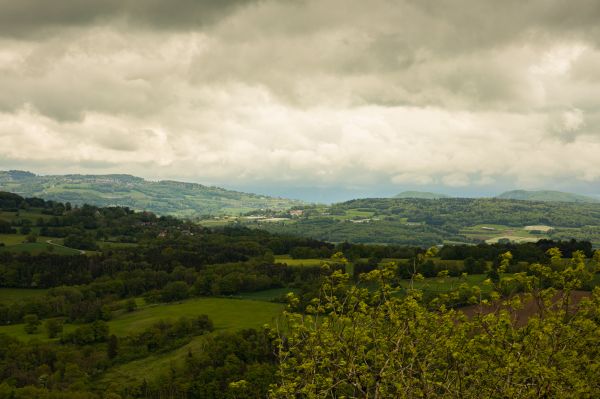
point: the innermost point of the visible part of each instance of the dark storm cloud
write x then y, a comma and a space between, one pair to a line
27, 18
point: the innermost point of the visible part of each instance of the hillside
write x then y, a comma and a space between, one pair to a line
162, 197
429, 222
547, 195
420, 194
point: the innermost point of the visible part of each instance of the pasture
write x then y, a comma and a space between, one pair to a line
288, 260
227, 315
12, 295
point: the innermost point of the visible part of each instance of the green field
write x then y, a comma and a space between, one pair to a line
299, 262
227, 315
491, 233
265, 295
12, 295
38, 247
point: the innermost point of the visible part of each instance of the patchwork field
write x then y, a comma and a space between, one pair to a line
492, 233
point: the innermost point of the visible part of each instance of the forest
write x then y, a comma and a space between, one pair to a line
147, 306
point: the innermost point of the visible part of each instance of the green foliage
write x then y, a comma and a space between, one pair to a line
54, 327
32, 323
364, 342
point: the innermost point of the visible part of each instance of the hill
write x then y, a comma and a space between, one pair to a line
547, 196
421, 194
162, 197
414, 221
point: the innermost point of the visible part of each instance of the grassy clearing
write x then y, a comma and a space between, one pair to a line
31, 215
12, 295
298, 262
225, 314
265, 295
38, 247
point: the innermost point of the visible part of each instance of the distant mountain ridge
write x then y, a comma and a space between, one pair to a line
547, 196
164, 197
421, 195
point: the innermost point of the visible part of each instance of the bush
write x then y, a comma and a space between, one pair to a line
54, 327
32, 323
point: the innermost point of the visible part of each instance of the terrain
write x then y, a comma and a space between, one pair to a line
106, 302
164, 197
416, 221
547, 195
420, 194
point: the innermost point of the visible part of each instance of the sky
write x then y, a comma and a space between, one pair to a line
313, 99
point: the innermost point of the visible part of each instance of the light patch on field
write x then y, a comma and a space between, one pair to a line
543, 228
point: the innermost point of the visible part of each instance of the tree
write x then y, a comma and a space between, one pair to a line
175, 291
130, 305
54, 327
112, 347
32, 323
354, 341
31, 238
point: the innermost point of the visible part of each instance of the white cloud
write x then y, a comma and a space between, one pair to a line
312, 92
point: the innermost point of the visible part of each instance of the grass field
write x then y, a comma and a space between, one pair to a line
265, 295
298, 262
12, 295
491, 233
227, 314
38, 247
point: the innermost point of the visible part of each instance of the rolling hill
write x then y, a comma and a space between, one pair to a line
420, 194
162, 197
547, 196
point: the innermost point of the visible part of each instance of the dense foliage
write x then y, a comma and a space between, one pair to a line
365, 342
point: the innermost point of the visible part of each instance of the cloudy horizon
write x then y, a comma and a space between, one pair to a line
274, 96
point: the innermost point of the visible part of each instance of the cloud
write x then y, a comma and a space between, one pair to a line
304, 92
27, 18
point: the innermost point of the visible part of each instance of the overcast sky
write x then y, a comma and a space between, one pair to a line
378, 95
